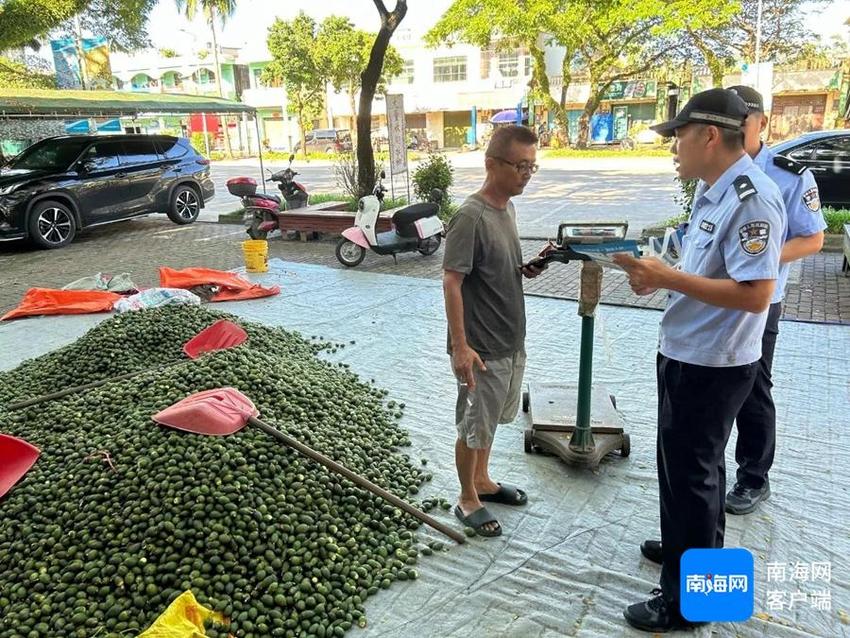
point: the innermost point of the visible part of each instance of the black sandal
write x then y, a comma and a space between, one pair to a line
507, 495
477, 520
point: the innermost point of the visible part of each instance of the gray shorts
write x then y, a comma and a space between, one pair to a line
495, 400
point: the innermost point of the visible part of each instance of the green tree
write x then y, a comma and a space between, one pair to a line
294, 64
14, 75
123, 22
731, 36
212, 10
603, 40
369, 80
342, 53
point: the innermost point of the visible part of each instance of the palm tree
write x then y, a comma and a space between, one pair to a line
212, 9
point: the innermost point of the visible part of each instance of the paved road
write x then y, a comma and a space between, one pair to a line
639, 190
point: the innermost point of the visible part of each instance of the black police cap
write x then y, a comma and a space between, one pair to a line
718, 107
751, 97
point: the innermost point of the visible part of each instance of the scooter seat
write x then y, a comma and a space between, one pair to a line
271, 198
410, 214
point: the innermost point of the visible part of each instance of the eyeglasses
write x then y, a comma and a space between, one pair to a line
520, 167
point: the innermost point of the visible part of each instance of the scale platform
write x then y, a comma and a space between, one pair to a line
552, 407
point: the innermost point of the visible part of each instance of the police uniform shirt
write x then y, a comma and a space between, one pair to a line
735, 232
802, 203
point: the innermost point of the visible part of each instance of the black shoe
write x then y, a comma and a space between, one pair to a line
656, 615
743, 499
651, 551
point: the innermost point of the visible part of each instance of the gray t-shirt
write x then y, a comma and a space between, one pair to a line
482, 242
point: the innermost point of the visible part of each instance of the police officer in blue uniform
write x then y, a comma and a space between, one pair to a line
756, 420
710, 342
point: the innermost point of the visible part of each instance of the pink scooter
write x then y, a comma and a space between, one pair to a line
414, 228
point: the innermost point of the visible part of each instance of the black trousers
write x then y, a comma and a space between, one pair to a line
696, 408
756, 421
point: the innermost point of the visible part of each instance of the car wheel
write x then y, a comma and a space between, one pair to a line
330, 150
185, 205
52, 225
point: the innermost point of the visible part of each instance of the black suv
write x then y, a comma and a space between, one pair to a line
62, 184
827, 155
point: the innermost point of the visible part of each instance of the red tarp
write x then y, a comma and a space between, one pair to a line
46, 301
232, 286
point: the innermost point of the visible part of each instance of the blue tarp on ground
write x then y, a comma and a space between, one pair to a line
569, 561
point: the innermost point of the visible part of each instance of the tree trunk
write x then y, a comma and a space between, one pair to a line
368, 84
584, 121
218, 83
352, 90
566, 80
541, 83
301, 129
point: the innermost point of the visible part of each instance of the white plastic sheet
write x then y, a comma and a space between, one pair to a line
568, 562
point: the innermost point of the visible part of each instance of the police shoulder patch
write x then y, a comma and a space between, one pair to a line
744, 187
811, 198
754, 237
789, 165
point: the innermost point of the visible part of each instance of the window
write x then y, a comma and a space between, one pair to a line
406, 75
529, 65
834, 150
205, 76
49, 155
138, 152
102, 156
258, 82
801, 153
171, 149
509, 65
450, 69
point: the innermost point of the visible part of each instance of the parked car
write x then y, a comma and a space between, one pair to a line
326, 140
827, 154
63, 184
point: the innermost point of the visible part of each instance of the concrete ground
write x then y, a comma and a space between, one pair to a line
640, 190
817, 291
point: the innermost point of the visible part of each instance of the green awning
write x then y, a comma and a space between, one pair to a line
50, 102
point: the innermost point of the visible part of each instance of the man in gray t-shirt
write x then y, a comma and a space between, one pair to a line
482, 285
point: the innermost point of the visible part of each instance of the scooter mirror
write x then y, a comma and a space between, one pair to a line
383, 175
291, 157
436, 195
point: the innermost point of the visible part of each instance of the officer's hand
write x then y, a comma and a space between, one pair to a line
464, 362
646, 273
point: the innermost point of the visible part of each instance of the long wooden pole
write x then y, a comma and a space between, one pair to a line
366, 484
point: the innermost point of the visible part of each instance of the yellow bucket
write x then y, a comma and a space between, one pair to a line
256, 253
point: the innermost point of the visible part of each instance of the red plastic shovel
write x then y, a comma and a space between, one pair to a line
221, 335
16, 458
225, 411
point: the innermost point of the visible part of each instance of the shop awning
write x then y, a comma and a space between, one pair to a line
56, 103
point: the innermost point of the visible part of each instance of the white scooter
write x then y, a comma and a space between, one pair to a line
414, 228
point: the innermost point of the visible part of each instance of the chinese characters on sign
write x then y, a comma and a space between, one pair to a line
719, 583
795, 574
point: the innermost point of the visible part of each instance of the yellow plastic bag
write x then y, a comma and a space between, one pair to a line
184, 618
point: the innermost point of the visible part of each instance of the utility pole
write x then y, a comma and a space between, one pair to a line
758, 42
78, 45
218, 82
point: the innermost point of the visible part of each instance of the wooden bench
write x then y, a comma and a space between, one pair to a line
329, 217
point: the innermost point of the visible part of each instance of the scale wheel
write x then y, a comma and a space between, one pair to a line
626, 447
526, 401
528, 444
